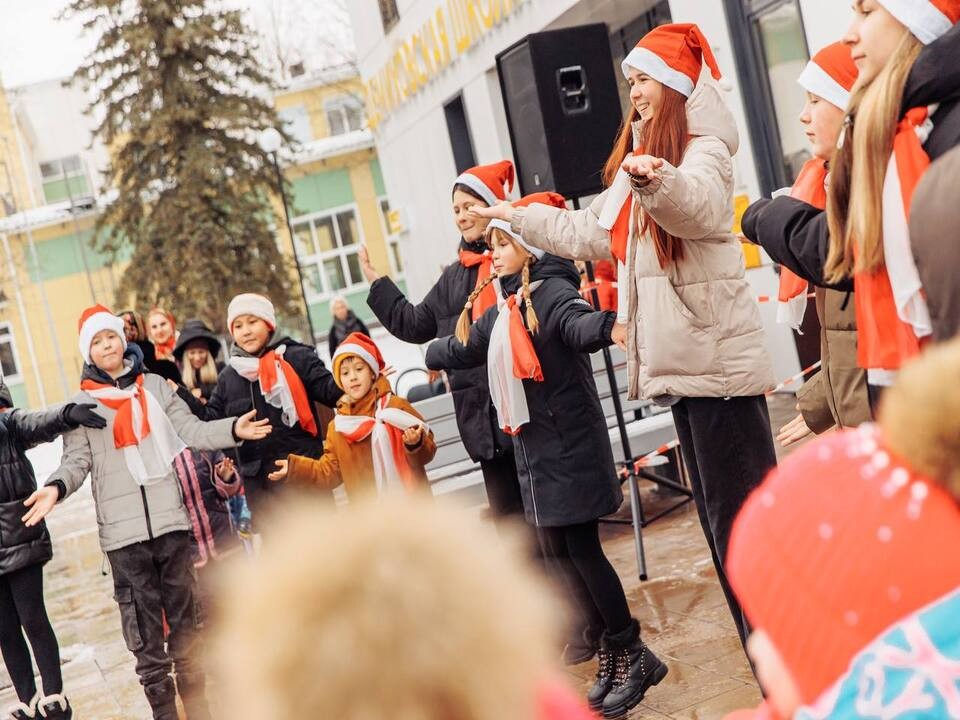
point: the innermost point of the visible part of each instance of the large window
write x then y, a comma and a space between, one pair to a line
64, 178
8, 354
388, 14
344, 114
393, 239
327, 245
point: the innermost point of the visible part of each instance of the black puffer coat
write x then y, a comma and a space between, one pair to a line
21, 546
795, 234
564, 460
437, 317
234, 395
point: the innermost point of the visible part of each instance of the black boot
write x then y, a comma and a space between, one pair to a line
604, 680
582, 647
636, 669
162, 697
54, 707
193, 692
22, 711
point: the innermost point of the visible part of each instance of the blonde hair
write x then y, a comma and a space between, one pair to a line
920, 415
384, 621
533, 322
206, 375
855, 200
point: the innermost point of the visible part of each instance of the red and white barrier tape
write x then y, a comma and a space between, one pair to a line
796, 378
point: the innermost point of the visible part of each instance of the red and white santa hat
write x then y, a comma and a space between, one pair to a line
926, 19
94, 320
361, 346
831, 74
542, 198
673, 55
251, 304
490, 182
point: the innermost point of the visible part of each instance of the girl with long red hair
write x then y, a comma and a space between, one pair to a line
688, 319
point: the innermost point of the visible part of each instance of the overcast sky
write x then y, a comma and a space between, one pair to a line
34, 46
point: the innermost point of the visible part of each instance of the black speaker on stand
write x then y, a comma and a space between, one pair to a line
563, 111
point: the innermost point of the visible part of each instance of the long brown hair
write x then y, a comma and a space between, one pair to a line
666, 137
855, 200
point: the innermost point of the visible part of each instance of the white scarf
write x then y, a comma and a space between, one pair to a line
151, 459
355, 428
279, 396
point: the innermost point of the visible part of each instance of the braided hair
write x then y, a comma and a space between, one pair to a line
463, 323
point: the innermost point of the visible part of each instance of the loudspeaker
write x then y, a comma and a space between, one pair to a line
563, 109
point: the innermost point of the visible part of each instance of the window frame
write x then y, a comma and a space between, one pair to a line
340, 251
16, 377
341, 106
391, 240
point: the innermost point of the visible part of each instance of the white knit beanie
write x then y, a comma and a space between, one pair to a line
251, 304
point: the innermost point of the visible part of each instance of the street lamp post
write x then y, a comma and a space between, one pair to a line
270, 142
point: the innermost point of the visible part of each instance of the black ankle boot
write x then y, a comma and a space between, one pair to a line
162, 697
604, 680
54, 707
193, 692
636, 670
23, 711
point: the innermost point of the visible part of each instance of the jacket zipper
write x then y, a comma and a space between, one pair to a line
533, 487
143, 496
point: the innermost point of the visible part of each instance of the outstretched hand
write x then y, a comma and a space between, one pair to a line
249, 428
83, 414
366, 267
283, 467
41, 502
500, 211
645, 167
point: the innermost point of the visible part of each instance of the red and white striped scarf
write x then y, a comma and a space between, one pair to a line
280, 385
385, 429
893, 320
511, 359
141, 429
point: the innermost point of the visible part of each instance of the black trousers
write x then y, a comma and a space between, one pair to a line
503, 487
728, 450
595, 592
22, 611
152, 580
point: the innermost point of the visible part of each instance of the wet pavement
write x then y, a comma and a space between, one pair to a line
681, 609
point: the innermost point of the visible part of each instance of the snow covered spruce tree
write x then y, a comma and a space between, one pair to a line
182, 102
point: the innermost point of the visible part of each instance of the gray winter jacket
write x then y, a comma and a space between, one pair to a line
128, 513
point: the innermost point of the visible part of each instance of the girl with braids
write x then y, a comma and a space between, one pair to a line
690, 323
535, 346
436, 316
904, 112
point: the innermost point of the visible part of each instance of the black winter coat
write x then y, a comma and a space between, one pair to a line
437, 317
234, 395
795, 234
21, 546
341, 328
564, 459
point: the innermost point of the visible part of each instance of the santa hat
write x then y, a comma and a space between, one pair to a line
361, 346
673, 55
490, 182
926, 19
96, 319
838, 544
251, 304
831, 74
541, 198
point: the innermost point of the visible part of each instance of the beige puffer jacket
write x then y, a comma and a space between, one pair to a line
695, 327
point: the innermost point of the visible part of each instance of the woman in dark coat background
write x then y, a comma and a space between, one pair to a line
23, 553
345, 321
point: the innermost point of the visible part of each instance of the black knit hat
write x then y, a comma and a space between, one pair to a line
192, 331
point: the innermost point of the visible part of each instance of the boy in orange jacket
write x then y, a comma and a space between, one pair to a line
377, 442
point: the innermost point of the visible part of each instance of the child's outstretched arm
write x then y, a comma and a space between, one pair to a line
322, 473
35, 428
211, 435
581, 327
423, 447
75, 464
448, 353
319, 382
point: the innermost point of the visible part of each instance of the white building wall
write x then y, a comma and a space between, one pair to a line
825, 21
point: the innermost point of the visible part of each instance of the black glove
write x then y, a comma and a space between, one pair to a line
83, 414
